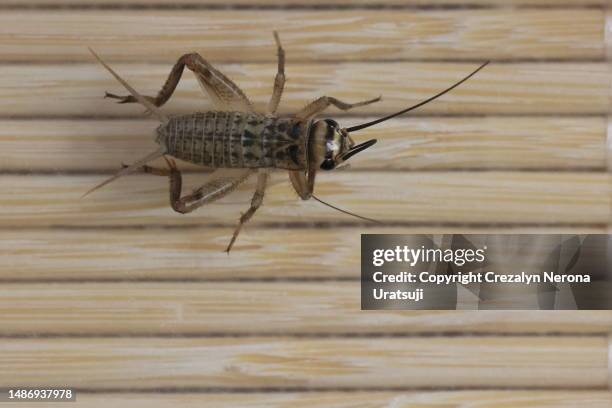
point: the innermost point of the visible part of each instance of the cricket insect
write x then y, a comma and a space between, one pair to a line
236, 136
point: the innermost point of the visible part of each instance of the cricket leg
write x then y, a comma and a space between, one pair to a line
299, 181
151, 170
206, 194
262, 181
279, 80
223, 92
322, 103
217, 188
166, 91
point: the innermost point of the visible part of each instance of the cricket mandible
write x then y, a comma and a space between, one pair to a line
236, 137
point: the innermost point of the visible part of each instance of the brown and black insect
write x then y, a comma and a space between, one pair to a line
236, 136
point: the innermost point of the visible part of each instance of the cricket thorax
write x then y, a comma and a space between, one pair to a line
235, 139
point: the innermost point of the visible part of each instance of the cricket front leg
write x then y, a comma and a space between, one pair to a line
299, 181
322, 103
256, 201
279, 80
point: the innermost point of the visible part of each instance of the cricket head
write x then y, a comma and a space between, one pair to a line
333, 145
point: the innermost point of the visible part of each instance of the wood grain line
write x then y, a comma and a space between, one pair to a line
425, 143
507, 89
419, 197
197, 254
356, 35
609, 145
251, 308
309, 4
610, 361
238, 363
355, 399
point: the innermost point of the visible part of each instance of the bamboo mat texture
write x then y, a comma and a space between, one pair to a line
134, 305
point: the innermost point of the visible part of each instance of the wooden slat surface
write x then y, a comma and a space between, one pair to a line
425, 399
118, 294
404, 144
521, 88
251, 363
144, 35
422, 198
306, 4
248, 308
197, 253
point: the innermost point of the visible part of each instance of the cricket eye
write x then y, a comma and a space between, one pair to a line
328, 164
332, 123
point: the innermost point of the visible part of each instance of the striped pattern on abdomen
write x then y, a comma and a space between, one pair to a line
235, 139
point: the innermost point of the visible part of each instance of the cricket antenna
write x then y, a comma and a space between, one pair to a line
418, 105
150, 106
344, 211
128, 170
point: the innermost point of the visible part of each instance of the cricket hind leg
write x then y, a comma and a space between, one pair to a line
152, 170
223, 92
210, 192
217, 188
165, 92
256, 201
279, 80
322, 103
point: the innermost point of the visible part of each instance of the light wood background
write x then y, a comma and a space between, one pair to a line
135, 305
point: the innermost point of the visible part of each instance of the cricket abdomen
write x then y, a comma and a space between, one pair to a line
236, 140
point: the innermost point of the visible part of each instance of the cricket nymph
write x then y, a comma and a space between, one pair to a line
220, 139
235, 136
